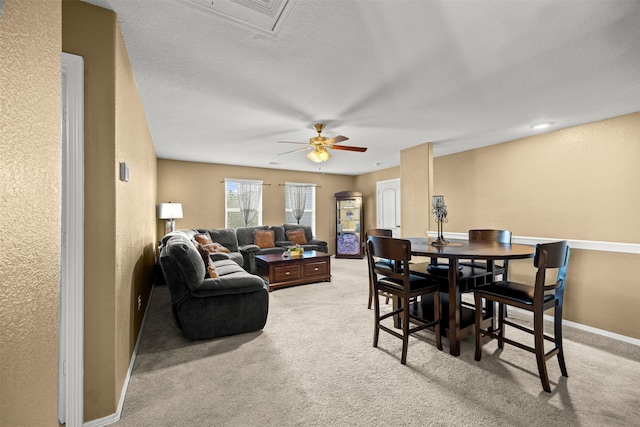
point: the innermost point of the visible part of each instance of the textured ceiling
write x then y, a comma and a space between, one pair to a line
387, 74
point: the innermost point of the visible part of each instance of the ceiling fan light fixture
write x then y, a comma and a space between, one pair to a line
319, 155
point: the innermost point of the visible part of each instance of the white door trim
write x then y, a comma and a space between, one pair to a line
71, 298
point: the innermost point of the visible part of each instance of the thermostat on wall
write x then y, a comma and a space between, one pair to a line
124, 171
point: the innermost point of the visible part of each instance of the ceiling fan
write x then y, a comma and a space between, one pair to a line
319, 144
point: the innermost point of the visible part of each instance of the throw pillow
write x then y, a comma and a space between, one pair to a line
215, 247
208, 263
203, 238
264, 238
297, 236
220, 248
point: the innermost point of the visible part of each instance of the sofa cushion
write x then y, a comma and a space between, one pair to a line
225, 236
232, 279
279, 232
264, 238
297, 237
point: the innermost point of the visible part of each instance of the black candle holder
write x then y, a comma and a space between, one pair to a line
440, 215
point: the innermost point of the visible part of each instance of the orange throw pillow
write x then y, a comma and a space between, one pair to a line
203, 239
215, 247
297, 237
264, 238
220, 248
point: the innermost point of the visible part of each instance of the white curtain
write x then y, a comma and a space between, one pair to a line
298, 199
249, 198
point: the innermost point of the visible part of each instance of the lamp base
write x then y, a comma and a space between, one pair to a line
169, 226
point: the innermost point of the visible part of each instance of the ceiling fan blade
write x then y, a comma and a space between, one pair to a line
335, 140
295, 151
349, 148
290, 142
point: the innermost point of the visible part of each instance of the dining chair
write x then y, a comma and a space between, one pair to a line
490, 235
536, 299
385, 232
499, 270
402, 285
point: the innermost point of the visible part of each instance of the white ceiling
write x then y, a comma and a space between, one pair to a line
388, 74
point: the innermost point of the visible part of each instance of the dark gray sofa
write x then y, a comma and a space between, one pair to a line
235, 302
225, 236
249, 249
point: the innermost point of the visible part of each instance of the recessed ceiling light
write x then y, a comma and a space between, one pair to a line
539, 126
377, 164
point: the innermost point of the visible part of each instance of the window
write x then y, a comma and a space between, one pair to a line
243, 200
308, 194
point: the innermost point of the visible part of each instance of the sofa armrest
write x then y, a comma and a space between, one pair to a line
218, 256
238, 284
317, 242
249, 248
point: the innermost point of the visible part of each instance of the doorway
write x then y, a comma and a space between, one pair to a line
388, 205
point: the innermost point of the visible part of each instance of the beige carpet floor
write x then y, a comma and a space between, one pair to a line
314, 365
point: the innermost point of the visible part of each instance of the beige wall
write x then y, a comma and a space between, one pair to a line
416, 167
200, 189
549, 186
30, 211
577, 183
135, 212
119, 216
366, 184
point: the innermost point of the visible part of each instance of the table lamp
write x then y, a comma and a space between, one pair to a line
169, 211
440, 214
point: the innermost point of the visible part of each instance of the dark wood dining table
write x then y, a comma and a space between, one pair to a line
455, 251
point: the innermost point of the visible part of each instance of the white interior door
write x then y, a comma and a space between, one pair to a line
388, 205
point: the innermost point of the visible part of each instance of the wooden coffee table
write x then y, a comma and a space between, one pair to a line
280, 272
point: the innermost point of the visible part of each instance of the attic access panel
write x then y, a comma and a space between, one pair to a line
264, 16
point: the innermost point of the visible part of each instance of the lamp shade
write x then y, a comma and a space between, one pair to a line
169, 210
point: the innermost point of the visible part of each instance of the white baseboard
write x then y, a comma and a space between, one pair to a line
586, 328
597, 331
112, 418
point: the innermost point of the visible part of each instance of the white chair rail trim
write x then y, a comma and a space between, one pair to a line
590, 245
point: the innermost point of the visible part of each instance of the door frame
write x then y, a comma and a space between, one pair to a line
71, 285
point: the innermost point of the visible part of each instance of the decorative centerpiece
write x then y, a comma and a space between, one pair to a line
440, 214
295, 251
